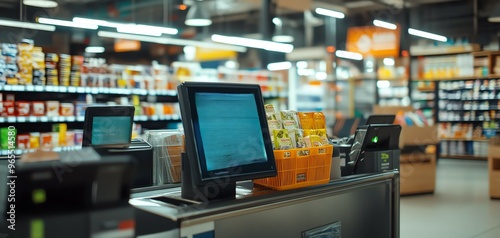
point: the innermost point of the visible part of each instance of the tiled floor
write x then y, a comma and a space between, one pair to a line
459, 208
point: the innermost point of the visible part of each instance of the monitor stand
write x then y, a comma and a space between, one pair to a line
212, 190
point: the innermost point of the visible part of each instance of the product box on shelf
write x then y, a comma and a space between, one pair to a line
52, 108
38, 66
25, 62
23, 141
6, 135
38, 108
23, 108
9, 54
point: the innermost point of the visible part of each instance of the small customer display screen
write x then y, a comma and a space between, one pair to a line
230, 129
109, 130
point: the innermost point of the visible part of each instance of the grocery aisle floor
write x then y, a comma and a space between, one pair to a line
459, 208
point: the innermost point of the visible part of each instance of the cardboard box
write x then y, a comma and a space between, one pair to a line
414, 135
418, 177
494, 169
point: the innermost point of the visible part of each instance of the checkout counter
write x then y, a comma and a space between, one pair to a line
364, 203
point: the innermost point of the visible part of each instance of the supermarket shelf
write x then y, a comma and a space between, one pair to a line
426, 89
98, 90
91, 90
444, 50
34, 119
468, 110
465, 139
470, 99
469, 88
55, 149
465, 121
472, 157
492, 76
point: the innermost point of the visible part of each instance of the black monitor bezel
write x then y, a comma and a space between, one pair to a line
110, 111
381, 119
194, 147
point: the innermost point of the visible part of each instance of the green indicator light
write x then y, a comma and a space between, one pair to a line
375, 139
39, 196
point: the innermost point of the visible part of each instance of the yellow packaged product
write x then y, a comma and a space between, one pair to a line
313, 141
319, 120
282, 140
306, 120
309, 132
323, 136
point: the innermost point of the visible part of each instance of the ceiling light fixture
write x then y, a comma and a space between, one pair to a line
170, 41
279, 66
197, 16
41, 3
259, 44
57, 22
279, 34
94, 49
348, 55
146, 30
427, 35
495, 15
27, 25
329, 13
384, 24
89, 21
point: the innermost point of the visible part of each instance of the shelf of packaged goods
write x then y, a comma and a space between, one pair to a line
392, 97
465, 139
426, 90
470, 99
472, 157
466, 121
35, 119
91, 90
423, 99
469, 88
470, 109
416, 51
459, 78
274, 94
23, 151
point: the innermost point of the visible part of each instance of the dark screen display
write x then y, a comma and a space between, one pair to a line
229, 126
108, 130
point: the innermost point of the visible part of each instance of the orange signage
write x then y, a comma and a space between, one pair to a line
127, 45
374, 41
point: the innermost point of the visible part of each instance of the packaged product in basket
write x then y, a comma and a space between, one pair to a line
313, 141
306, 120
282, 140
297, 136
319, 120
308, 132
323, 136
289, 119
270, 112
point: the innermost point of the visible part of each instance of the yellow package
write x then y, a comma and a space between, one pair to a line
310, 132
306, 120
319, 120
323, 136
282, 140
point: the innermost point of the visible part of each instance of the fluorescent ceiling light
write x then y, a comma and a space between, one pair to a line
41, 3
146, 30
169, 41
260, 44
427, 35
279, 66
329, 13
384, 24
383, 84
389, 62
94, 49
27, 25
96, 22
348, 55
283, 38
66, 23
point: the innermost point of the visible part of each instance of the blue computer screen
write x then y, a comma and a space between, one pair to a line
111, 130
230, 129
